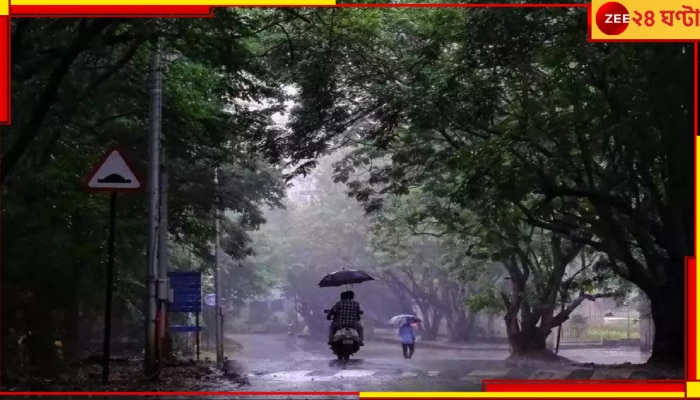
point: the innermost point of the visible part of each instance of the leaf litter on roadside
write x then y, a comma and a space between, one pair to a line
174, 376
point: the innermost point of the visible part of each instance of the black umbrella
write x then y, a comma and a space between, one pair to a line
344, 277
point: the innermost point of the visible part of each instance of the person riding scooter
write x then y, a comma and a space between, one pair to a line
346, 312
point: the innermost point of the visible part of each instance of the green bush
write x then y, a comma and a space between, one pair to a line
611, 334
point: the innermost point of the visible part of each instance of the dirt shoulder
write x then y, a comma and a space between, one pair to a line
125, 375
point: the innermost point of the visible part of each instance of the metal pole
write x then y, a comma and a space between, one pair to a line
556, 348
197, 334
211, 316
217, 283
110, 279
150, 359
628, 322
163, 259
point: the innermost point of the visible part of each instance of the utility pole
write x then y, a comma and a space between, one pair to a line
154, 149
217, 278
163, 262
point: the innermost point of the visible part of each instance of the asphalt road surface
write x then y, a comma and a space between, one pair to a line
284, 363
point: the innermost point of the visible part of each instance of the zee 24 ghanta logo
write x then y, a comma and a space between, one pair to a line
613, 18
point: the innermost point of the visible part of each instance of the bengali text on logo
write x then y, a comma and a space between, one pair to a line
657, 20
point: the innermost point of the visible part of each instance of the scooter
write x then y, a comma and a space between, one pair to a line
345, 342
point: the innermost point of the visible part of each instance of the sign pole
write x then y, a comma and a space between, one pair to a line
219, 329
112, 174
110, 281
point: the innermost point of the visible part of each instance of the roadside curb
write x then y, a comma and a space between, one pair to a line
488, 346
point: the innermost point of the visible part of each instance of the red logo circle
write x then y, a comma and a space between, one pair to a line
612, 18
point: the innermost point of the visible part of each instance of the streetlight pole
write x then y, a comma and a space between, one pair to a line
154, 149
163, 344
217, 281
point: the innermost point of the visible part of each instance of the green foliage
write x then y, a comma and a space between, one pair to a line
485, 301
611, 333
477, 136
81, 86
423, 259
534, 128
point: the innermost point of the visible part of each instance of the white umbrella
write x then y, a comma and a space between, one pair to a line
404, 318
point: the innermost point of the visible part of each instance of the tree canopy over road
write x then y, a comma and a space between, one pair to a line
472, 137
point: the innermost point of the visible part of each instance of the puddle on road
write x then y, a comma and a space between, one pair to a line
316, 376
350, 373
289, 376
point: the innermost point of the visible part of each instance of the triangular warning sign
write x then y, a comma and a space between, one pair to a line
114, 174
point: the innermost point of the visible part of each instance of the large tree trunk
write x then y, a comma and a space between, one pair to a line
314, 319
426, 327
471, 326
461, 327
529, 342
434, 330
668, 312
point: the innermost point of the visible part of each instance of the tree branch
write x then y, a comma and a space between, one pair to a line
563, 316
28, 132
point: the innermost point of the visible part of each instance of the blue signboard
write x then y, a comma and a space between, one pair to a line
187, 291
185, 328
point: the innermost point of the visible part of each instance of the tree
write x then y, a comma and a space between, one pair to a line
538, 265
79, 87
589, 135
536, 262
425, 266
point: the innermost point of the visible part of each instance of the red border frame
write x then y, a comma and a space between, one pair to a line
691, 373
97, 166
5, 70
207, 12
111, 11
120, 394
580, 386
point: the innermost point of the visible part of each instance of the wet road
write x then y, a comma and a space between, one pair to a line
284, 363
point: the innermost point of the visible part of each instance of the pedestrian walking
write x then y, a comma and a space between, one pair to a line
408, 340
